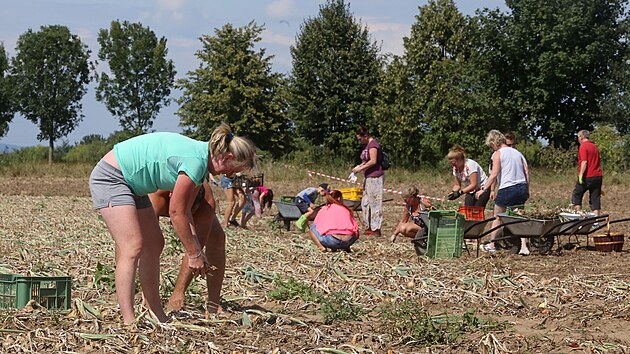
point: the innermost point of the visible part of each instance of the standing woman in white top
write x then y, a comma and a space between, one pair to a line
509, 169
468, 178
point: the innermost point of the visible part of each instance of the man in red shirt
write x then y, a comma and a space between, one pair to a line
589, 174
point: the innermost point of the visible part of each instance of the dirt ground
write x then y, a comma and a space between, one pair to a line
575, 300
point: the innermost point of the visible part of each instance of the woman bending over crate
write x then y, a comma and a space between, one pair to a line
468, 178
411, 222
120, 184
334, 226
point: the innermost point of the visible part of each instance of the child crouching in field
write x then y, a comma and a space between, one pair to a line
334, 226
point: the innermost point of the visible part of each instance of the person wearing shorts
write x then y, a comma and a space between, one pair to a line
232, 193
334, 226
120, 184
589, 175
509, 170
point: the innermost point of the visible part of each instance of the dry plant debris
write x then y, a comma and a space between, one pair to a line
577, 301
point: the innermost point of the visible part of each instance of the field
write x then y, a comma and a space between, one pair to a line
282, 295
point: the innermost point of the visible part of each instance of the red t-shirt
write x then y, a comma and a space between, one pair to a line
588, 152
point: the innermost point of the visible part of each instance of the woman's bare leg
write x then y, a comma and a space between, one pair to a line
149, 266
124, 226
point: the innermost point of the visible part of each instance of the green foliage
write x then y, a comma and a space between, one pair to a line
49, 76
333, 83
430, 98
90, 152
234, 84
104, 277
554, 62
25, 155
338, 306
411, 320
291, 288
7, 108
613, 148
141, 78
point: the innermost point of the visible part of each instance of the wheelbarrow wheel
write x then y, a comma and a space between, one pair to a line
420, 246
542, 245
512, 245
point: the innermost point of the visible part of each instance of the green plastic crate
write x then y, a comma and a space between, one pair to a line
50, 292
287, 199
446, 234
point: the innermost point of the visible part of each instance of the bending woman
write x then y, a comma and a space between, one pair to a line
120, 184
468, 178
334, 226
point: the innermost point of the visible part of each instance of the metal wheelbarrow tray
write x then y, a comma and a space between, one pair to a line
287, 212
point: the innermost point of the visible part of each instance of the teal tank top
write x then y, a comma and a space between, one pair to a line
153, 161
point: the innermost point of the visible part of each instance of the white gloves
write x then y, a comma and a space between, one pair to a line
353, 177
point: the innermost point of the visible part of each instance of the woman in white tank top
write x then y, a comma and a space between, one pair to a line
509, 169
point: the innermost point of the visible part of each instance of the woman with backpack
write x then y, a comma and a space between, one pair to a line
372, 201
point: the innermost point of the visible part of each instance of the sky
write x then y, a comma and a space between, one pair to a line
182, 22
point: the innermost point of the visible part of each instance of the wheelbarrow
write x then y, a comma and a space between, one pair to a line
473, 230
287, 212
585, 225
540, 232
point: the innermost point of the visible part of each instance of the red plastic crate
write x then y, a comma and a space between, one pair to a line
473, 212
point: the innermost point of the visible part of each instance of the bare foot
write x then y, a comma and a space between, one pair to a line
217, 311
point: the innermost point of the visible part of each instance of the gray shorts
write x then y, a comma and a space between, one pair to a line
109, 188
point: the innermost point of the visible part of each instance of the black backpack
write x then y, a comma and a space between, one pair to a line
385, 160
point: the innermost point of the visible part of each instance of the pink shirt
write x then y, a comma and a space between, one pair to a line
333, 219
262, 189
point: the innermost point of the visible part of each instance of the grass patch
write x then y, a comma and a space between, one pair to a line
409, 319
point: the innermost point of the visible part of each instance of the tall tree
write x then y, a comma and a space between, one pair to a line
234, 84
333, 83
432, 89
7, 109
561, 54
49, 74
141, 75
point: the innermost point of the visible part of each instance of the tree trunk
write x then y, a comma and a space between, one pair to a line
51, 148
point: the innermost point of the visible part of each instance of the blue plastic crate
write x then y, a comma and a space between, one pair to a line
446, 234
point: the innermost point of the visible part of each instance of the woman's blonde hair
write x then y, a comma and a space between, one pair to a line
410, 191
495, 138
223, 141
456, 153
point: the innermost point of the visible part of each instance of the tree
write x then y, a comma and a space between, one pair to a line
7, 109
333, 83
50, 72
234, 84
141, 79
432, 91
561, 54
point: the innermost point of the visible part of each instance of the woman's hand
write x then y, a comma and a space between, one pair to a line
356, 169
198, 265
479, 193
492, 196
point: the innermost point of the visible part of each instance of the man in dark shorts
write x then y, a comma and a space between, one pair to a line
589, 174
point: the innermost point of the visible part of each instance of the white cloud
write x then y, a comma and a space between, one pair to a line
388, 34
270, 37
280, 9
